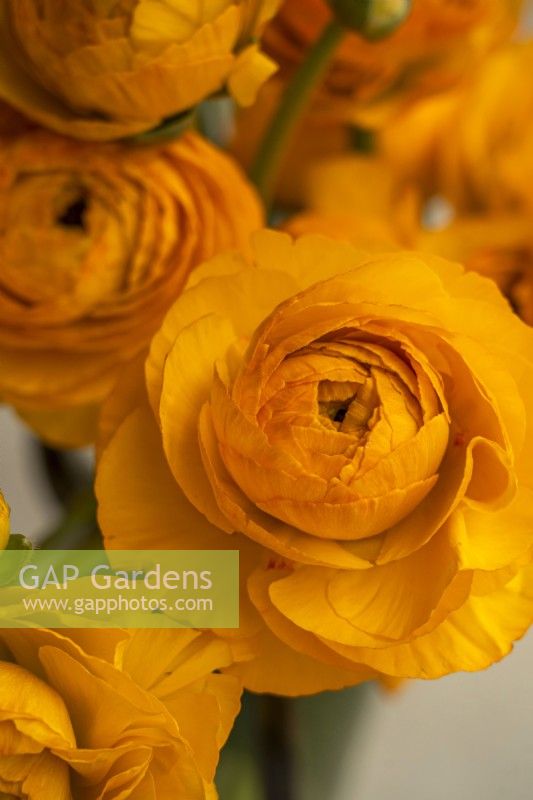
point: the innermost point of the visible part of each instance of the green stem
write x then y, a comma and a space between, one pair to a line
239, 776
321, 760
277, 747
78, 529
265, 169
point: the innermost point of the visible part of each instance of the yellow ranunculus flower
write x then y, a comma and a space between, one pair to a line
89, 716
356, 425
104, 69
95, 245
435, 47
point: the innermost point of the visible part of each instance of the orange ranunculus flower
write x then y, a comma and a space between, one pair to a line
89, 717
95, 245
106, 69
436, 46
356, 425
473, 144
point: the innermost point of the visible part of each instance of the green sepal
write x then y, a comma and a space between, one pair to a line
170, 129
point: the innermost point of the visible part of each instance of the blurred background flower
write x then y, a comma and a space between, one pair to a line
436, 46
104, 70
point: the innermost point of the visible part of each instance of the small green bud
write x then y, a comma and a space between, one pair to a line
16, 561
373, 19
18, 542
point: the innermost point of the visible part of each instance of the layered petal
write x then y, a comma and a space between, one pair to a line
95, 245
355, 424
86, 716
86, 70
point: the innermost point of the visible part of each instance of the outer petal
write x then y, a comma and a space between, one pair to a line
132, 467
186, 383
368, 607
217, 295
41, 776
493, 541
35, 708
481, 632
279, 669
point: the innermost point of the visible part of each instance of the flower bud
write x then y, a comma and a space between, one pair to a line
373, 19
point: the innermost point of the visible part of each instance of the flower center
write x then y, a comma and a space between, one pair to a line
349, 405
351, 422
74, 214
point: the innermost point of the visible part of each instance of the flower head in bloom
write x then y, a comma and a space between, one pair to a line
431, 50
95, 245
107, 714
356, 425
104, 69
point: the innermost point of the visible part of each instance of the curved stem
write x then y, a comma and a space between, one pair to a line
277, 747
265, 169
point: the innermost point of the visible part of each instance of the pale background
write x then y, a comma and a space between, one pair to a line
465, 737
